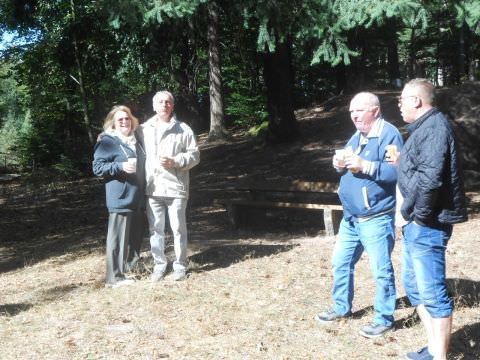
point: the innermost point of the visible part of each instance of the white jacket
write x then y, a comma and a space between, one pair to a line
178, 142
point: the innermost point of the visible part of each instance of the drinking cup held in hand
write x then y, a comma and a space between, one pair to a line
391, 151
348, 152
133, 163
340, 156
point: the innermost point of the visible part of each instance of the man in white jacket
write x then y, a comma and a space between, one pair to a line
171, 151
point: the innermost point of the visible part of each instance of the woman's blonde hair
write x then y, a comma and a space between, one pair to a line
109, 124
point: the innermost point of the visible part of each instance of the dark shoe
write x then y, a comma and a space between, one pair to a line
421, 354
179, 275
330, 315
373, 330
157, 276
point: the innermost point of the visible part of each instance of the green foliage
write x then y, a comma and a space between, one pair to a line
130, 48
325, 22
266, 41
172, 9
245, 100
429, 42
67, 168
334, 50
12, 96
258, 130
14, 112
246, 110
143, 12
469, 11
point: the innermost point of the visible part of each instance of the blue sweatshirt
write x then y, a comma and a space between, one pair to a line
372, 191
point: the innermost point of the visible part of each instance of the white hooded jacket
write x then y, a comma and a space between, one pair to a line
177, 141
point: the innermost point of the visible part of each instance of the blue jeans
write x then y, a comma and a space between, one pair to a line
423, 268
377, 237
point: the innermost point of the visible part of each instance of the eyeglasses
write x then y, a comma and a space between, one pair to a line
401, 98
124, 119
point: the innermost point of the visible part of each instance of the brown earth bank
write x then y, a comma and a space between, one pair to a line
252, 292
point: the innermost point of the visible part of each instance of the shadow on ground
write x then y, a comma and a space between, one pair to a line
224, 256
9, 310
401, 303
465, 343
43, 221
39, 221
56, 293
42, 297
465, 294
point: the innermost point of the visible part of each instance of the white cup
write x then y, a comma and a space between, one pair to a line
340, 155
133, 161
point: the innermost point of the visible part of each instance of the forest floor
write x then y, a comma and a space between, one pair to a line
251, 293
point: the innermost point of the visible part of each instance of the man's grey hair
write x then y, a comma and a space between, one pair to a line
424, 88
163, 92
370, 99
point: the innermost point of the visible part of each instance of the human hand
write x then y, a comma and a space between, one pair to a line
167, 162
340, 157
353, 163
338, 162
392, 155
129, 167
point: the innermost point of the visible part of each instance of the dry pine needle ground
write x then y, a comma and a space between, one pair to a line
259, 307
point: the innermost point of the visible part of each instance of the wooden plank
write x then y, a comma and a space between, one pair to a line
285, 185
297, 194
320, 186
331, 213
331, 219
284, 204
307, 197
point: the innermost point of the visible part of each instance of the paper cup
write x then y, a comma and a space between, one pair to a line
133, 161
340, 155
391, 150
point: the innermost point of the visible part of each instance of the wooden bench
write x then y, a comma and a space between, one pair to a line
294, 195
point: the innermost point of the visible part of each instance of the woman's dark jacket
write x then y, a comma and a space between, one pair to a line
429, 173
124, 192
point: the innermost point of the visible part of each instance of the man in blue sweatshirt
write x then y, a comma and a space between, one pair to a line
367, 193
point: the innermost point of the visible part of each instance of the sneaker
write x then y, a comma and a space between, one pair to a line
157, 276
120, 283
330, 315
421, 354
375, 330
179, 275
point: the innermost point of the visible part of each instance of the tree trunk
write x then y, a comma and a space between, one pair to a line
340, 77
187, 106
473, 69
83, 94
411, 55
278, 75
392, 53
217, 129
462, 53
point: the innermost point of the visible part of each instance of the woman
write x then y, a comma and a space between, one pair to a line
120, 159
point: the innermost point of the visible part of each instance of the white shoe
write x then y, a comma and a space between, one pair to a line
179, 275
120, 283
157, 276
